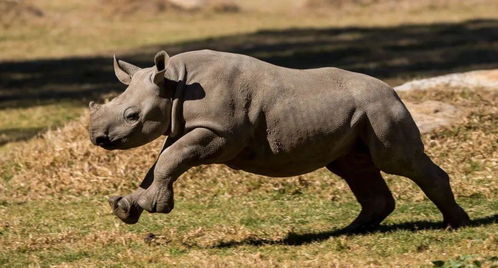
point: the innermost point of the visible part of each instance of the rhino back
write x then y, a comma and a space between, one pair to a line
283, 121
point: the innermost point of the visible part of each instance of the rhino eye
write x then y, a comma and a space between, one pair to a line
131, 115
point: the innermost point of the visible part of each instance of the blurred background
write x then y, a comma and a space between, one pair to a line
55, 55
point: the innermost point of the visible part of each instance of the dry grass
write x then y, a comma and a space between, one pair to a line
63, 164
468, 151
52, 211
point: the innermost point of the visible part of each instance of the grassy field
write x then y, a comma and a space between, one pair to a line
54, 183
53, 209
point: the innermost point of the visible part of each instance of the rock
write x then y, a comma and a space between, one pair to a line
216, 5
125, 7
476, 79
431, 114
188, 4
149, 238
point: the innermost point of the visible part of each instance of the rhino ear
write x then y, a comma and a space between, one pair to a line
124, 71
161, 60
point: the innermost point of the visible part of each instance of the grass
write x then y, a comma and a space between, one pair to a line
70, 28
22, 123
236, 231
53, 209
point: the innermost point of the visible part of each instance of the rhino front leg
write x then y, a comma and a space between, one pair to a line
199, 146
126, 208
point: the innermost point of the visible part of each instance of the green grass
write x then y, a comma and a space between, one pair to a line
279, 229
22, 123
53, 210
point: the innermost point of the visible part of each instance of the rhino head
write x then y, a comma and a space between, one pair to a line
140, 114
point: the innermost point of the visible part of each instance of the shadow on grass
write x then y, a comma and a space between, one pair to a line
294, 239
18, 134
391, 53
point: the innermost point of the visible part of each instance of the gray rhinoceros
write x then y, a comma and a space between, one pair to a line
218, 107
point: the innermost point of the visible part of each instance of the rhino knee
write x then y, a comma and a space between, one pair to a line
157, 199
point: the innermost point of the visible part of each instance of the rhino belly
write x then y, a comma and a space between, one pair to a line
279, 158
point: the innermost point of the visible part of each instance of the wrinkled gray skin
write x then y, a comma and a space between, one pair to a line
233, 109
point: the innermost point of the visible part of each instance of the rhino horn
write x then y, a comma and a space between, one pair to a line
93, 106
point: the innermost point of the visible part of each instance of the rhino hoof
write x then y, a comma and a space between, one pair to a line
460, 220
127, 211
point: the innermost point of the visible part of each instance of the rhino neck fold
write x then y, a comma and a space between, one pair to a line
178, 76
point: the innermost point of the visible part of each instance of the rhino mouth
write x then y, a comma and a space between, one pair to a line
112, 144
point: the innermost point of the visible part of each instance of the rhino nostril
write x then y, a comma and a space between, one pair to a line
102, 140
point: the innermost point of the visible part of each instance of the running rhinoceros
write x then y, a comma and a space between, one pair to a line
218, 107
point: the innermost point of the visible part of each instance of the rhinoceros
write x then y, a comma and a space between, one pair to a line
232, 109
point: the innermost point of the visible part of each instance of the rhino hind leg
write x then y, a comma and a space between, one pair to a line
369, 188
434, 182
395, 146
